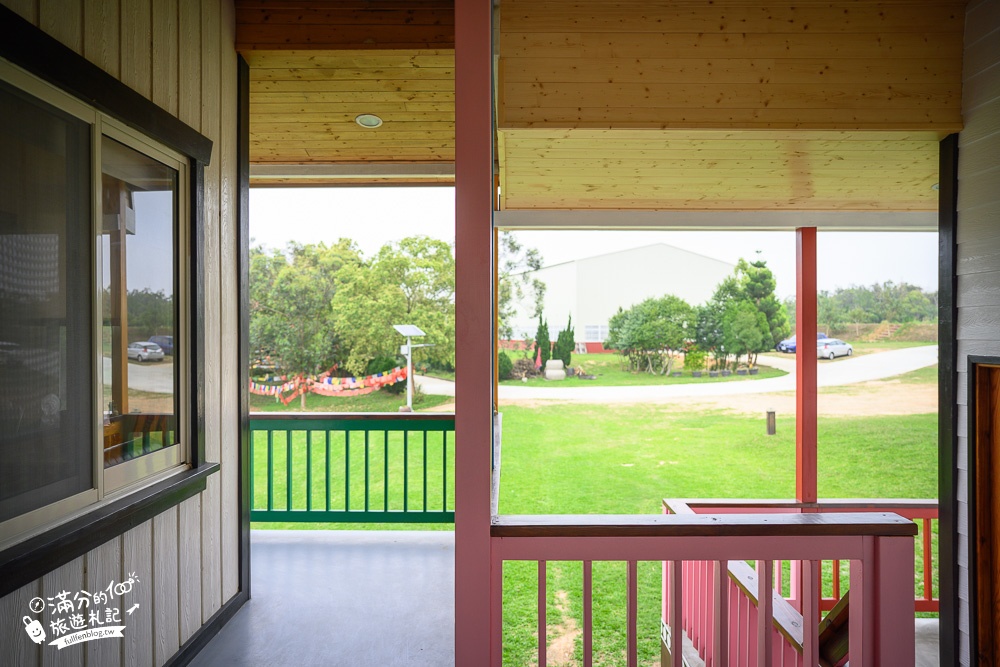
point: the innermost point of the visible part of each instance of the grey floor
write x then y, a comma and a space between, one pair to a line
354, 598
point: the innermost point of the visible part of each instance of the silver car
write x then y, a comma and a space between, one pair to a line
145, 351
828, 348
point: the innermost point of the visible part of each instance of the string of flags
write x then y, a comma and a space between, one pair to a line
326, 385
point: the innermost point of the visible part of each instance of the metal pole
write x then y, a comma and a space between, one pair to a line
409, 374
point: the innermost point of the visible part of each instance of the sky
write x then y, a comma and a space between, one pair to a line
378, 215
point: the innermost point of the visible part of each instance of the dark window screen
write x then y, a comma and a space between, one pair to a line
46, 394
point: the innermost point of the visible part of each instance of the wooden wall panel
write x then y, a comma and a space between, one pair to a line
166, 619
14, 642
63, 19
179, 53
211, 549
101, 45
69, 578
137, 46
819, 65
137, 563
978, 234
165, 58
188, 564
26, 9
189, 63
104, 565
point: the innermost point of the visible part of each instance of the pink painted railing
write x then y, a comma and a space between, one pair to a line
879, 547
922, 512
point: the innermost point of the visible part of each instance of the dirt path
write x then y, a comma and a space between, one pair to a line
878, 397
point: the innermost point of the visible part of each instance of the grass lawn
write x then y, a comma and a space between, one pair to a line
573, 459
609, 373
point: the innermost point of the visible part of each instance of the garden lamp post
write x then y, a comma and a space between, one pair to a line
410, 331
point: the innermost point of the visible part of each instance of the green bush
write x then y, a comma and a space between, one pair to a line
505, 367
565, 344
543, 342
694, 360
384, 364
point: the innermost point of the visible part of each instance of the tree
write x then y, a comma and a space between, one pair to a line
745, 331
409, 282
647, 334
565, 344
542, 342
290, 294
757, 285
516, 282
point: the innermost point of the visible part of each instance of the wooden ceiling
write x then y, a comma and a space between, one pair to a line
731, 105
315, 66
827, 105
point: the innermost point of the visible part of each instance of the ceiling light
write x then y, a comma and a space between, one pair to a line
368, 120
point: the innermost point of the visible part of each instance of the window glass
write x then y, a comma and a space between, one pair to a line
137, 250
46, 388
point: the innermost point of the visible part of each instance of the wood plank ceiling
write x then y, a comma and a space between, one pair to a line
315, 66
731, 105
827, 105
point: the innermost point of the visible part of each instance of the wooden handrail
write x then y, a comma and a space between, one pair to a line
702, 525
825, 505
352, 416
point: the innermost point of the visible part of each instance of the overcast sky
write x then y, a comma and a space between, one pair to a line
374, 216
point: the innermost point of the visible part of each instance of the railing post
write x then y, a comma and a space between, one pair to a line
862, 627
765, 615
895, 603
812, 583
720, 609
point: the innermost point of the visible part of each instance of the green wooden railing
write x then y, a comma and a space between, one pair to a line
344, 467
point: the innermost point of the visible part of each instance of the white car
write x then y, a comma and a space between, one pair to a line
145, 351
828, 348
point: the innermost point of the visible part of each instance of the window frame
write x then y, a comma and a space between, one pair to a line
119, 480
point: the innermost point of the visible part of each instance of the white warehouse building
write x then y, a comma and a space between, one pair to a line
594, 288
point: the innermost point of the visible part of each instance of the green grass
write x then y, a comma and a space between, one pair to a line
609, 373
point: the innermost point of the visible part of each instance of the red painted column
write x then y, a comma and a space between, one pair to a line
474, 196
805, 364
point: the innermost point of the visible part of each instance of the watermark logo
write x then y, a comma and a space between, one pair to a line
81, 616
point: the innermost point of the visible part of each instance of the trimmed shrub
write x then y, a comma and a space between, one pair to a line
565, 344
505, 367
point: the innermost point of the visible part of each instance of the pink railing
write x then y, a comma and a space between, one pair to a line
922, 512
879, 547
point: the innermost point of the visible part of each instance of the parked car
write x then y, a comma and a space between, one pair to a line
833, 347
166, 343
145, 351
788, 345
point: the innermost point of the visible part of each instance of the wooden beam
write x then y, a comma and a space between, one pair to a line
352, 25
925, 221
805, 365
474, 203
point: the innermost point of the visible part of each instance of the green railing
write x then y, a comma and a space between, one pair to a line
344, 467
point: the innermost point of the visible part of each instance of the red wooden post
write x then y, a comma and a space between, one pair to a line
765, 616
474, 197
720, 621
805, 364
812, 578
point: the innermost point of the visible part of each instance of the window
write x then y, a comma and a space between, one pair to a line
91, 219
595, 333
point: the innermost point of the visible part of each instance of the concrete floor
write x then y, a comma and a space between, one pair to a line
352, 598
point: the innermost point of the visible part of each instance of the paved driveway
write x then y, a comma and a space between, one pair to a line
849, 371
